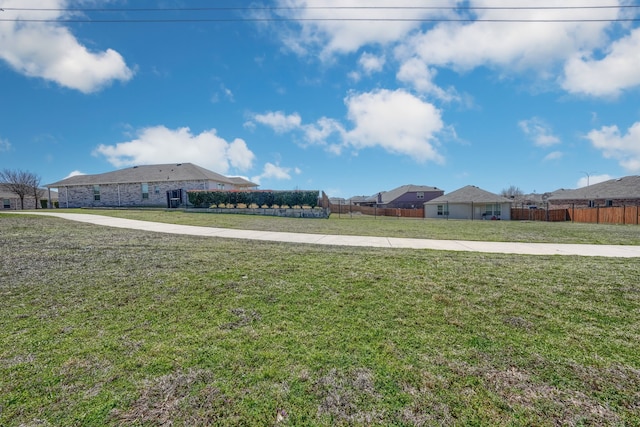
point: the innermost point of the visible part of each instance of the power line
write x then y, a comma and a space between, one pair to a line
426, 20
318, 19
275, 8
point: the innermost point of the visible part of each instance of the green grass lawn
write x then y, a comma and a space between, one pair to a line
102, 326
500, 231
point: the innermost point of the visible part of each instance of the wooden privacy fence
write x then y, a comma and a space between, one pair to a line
613, 215
597, 215
340, 209
526, 214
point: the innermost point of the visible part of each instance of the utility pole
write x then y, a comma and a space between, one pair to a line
588, 174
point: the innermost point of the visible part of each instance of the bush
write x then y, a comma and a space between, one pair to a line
205, 199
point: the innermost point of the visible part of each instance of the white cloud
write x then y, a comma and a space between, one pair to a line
354, 76
510, 46
507, 47
593, 179
74, 173
162, 145
371, 63
322, 130
608, 76
539, 132
50, 51
215, 98
623, 148
554, 155
416, 73
5, 145
279, 121
395, 121
272, 171
339, 35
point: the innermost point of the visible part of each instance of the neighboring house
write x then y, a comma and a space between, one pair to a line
469, 202
404, 197
149, 185
11, 201
534, 200
613, 193
358, 200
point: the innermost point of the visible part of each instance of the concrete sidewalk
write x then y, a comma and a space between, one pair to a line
612, 251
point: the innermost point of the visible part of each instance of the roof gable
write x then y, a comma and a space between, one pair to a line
391, 195
470, 194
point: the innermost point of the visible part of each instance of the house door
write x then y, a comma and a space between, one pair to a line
174, 198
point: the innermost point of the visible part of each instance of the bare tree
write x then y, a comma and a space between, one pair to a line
512, 192
21, 183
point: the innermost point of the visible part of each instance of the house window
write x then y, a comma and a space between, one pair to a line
96, 193
609, 203
420, 195
442, 210
497, 210
488, 210
156, 189
592, 204
145, 191
6, 203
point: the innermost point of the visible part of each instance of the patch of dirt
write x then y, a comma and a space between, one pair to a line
344, 395
615, 381
179, 398
244, 318
518, 323
560, 406
17, 360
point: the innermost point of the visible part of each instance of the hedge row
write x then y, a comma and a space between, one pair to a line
205, 199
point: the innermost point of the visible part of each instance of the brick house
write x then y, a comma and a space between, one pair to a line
613, 193
10, 200
143, 186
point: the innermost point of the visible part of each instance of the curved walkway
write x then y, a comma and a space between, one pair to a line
613, 251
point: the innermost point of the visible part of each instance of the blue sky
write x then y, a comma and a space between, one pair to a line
362, 100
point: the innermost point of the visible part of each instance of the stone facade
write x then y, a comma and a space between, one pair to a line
129, 194
13, 203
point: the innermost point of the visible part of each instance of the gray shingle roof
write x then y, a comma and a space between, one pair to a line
391, 195
627, 187
147, 173
6, 193
241, 182
469, 194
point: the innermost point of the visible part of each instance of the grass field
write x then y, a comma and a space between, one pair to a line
102, 326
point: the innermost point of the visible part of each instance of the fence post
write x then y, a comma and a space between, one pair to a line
547, 210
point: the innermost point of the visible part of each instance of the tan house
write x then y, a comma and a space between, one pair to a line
469, 202
143, 186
